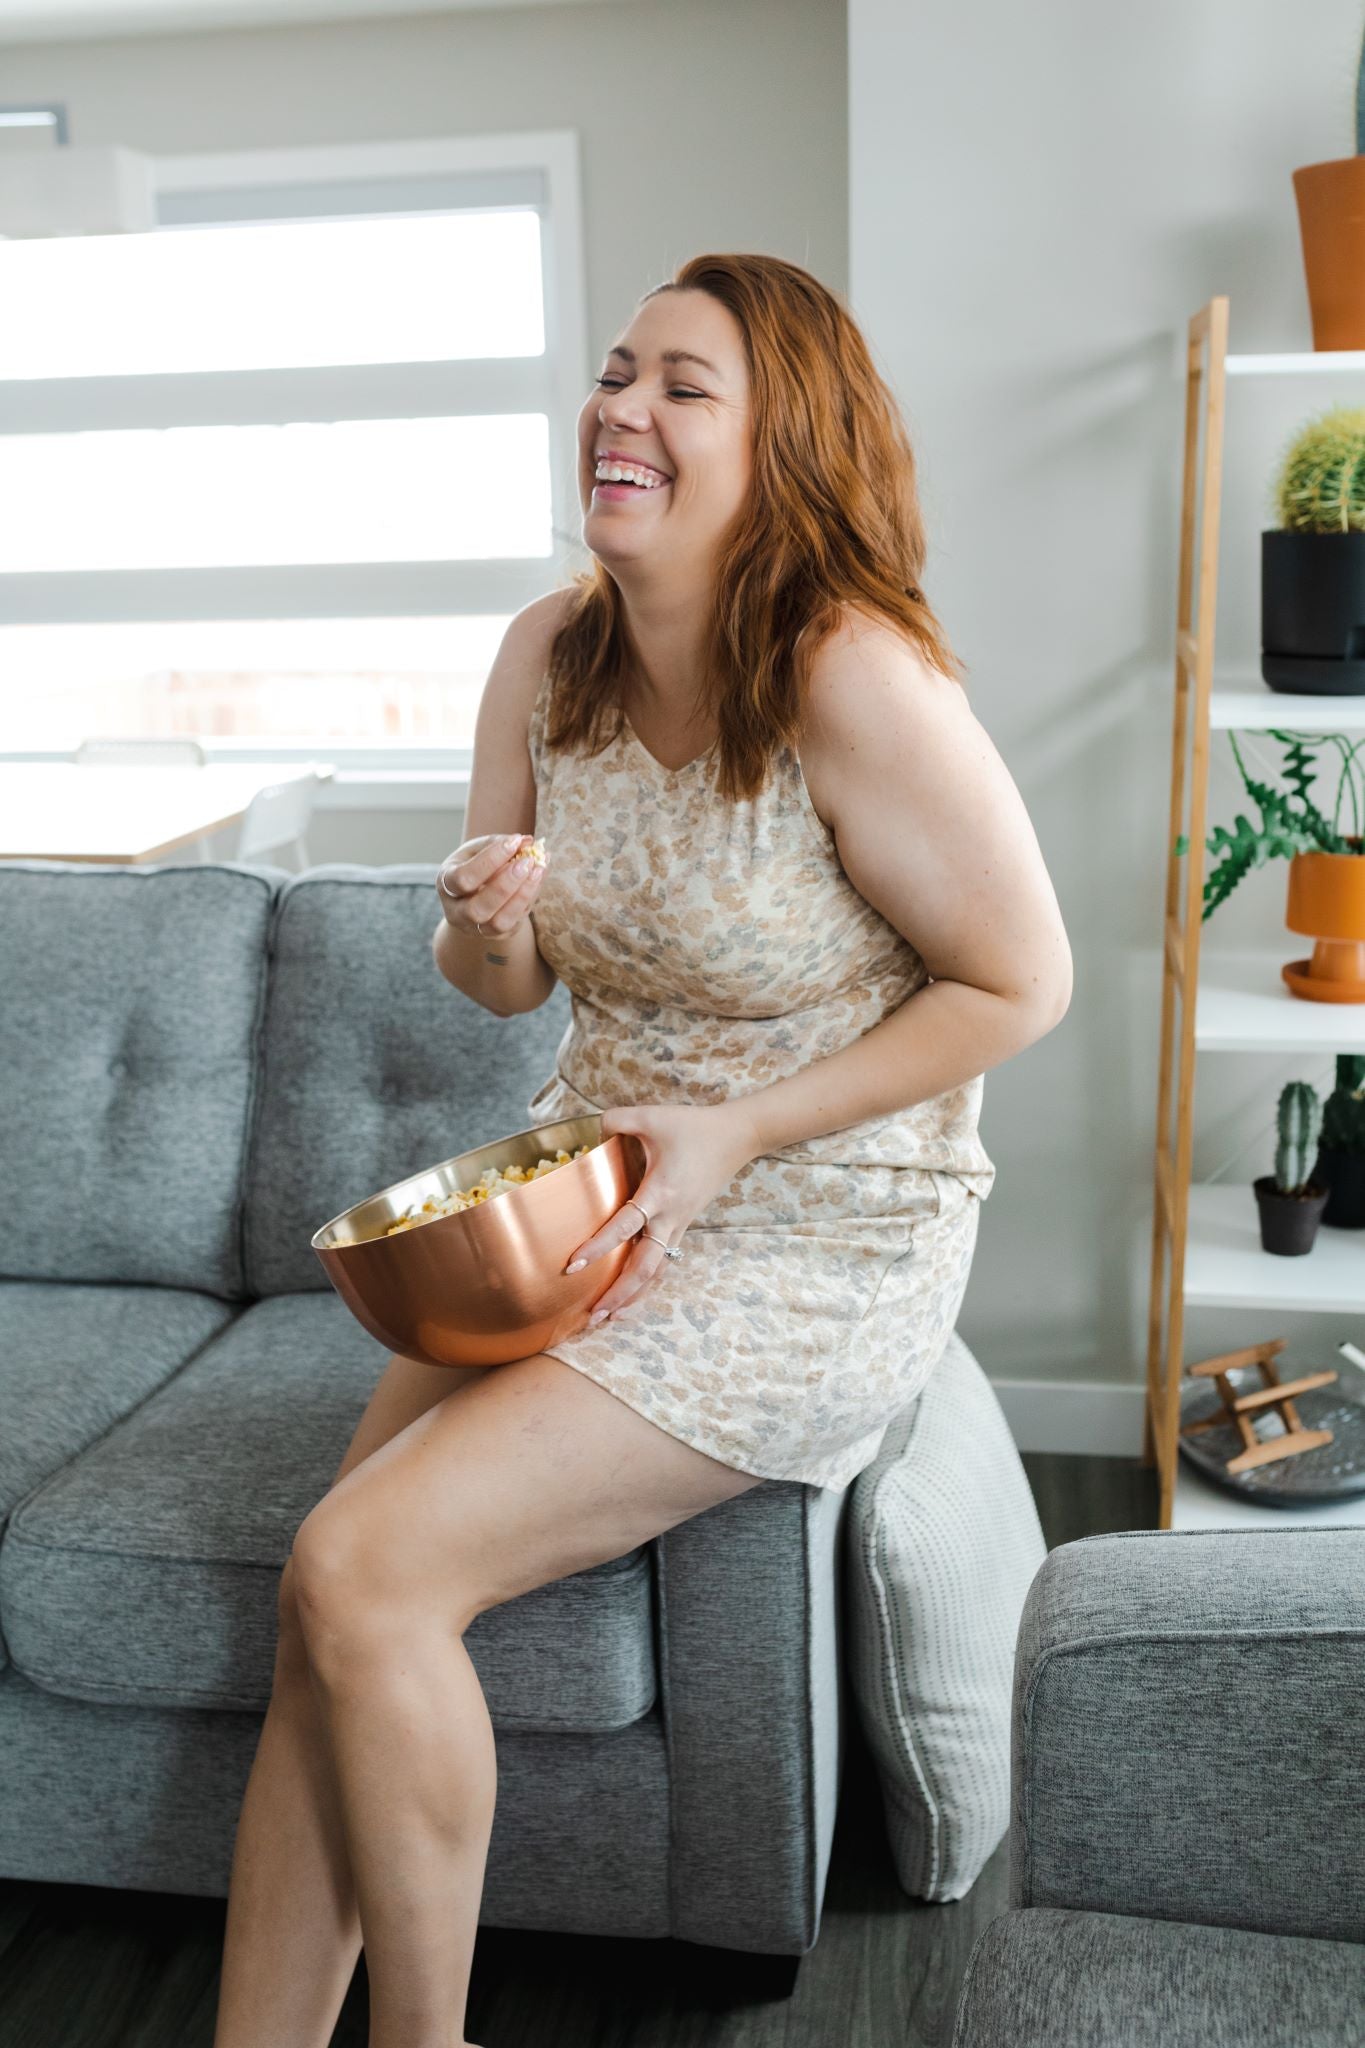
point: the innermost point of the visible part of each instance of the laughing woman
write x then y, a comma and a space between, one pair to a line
800, 909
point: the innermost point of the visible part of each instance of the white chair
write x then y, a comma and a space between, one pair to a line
140, 753
278, 816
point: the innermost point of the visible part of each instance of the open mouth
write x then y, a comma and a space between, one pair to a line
620, 488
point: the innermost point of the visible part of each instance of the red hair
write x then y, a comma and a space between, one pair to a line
832, 521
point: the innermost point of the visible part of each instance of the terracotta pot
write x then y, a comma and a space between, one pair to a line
1289, 1223
1331, 200
1327, 901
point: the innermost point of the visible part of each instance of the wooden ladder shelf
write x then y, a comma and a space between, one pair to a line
1206, 351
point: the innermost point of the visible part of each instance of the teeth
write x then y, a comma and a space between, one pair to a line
622, 472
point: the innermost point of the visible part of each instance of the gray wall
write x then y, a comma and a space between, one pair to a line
1038, 202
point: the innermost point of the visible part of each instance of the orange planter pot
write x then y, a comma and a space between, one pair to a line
1331, 200
1327, 901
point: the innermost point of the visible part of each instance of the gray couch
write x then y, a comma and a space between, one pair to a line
202, 1064
1187, 1837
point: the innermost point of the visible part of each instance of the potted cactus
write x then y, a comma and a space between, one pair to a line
1290, 1204
1340, 1164
1331, 202
1313, 563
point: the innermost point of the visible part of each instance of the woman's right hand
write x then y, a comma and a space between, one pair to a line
484, 883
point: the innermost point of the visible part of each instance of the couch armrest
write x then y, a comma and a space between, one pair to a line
750, 1662
1188, 1723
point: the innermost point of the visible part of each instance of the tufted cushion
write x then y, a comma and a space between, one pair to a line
373, 1065
74, 1360
944, 1541
129, 1010
146, 1571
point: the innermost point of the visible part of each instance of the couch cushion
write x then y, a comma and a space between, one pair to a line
146, 1572
374, 1065
1045, 1977
944, 1540
128, 1018
74, 1360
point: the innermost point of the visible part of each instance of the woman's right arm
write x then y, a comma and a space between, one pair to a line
501, 968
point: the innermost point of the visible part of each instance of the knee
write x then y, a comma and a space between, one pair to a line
291, 1649
323, 1584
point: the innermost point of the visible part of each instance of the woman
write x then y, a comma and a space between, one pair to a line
789, 975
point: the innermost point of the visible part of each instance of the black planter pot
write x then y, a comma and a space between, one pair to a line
1289, 1223
1343, 1176
1313, 612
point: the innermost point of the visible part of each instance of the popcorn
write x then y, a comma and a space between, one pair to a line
534, 851
492, 1182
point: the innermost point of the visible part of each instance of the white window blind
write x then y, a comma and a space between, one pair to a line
283, 469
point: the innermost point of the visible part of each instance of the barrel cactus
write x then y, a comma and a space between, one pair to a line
1299, 1120
1343, 1113
1321, 484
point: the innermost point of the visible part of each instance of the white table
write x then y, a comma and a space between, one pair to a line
62, 810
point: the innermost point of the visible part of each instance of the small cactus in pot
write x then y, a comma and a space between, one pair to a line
1340, 1164
1289, 1203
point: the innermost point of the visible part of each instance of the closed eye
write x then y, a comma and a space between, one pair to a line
616, 383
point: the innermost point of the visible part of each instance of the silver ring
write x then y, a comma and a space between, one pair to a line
479, 929
671, 1251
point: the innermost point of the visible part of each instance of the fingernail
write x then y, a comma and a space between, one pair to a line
513, 839
575, 1266
598, 1314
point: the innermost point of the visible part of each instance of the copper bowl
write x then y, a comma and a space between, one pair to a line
486, 1285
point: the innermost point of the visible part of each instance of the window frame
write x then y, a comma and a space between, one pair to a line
554, 383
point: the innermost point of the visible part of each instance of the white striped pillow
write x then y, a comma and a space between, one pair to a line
943, 1543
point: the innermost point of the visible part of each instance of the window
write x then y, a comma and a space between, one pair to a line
282, 470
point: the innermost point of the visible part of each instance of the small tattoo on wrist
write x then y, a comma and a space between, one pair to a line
498, 959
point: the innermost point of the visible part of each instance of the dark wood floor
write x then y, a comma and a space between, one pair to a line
84, 1967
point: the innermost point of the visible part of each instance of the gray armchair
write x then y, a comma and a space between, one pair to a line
1187, 1838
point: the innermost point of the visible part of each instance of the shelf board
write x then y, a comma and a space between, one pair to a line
1242, 1005
1198, 1504
1261, 709
1225, 1266
1313, 362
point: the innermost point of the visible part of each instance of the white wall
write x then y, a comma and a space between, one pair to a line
1039, 199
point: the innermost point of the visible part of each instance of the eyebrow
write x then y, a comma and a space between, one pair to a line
669, 355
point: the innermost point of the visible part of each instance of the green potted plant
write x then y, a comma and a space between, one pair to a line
1340, 1164
1326, 868
1313, 563
1331, 203
1289, 1203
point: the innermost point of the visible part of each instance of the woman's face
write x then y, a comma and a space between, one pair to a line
687, 420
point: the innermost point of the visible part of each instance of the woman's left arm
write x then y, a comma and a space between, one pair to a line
932, 831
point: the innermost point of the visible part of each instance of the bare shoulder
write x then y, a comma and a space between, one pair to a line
502, 794
864, 678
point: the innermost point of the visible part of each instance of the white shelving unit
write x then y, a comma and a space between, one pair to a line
1238, 1003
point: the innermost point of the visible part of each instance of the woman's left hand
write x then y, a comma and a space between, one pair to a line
692, 1153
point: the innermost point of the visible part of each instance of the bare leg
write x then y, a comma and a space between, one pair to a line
293, 1928
414, 1749
540, 1474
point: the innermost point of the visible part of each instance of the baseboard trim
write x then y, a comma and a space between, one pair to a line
1074, 1415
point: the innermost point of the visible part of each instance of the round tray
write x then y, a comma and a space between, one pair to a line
1335, 1471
